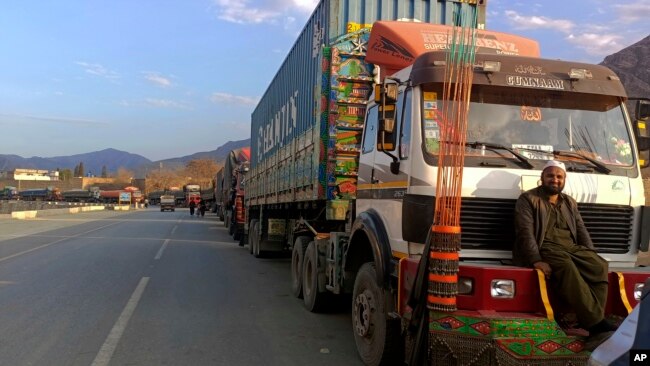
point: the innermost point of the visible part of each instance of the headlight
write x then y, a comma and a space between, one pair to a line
504, 289
638, 291
465, 286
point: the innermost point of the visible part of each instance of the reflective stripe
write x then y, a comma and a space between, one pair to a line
544, 293
623, 293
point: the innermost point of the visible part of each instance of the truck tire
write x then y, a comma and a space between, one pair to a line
378, 339
314, 300
297, 259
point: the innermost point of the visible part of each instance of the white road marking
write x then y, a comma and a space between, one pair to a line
160, 251
174, 229
108, 348
56, 241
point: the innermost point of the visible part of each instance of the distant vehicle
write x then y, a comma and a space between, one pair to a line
81, 195
232, 191
167, 202
41, 194
9, 193
192, 193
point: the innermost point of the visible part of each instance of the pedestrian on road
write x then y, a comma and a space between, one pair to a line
192, 207
202, 208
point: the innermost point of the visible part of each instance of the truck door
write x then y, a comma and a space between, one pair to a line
379, 188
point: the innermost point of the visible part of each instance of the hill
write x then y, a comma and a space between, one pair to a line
93, 161
632, 65
113, 160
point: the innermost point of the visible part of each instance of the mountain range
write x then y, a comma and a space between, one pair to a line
113, 160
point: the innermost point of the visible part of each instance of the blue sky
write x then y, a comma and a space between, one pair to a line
168, 78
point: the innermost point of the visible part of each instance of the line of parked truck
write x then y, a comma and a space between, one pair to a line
91, 195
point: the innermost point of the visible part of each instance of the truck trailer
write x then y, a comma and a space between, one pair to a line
352, 196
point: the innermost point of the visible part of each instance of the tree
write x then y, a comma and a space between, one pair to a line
104, 172
123, 176
162, 179
76, 170
202, 171
81, 169
65, 174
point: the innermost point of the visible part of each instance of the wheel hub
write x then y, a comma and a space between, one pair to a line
364, 306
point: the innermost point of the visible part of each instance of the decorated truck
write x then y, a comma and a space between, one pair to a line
351, 189
232, 191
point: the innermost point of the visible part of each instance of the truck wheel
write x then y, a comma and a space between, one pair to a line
378, 339
297, 259
314, 301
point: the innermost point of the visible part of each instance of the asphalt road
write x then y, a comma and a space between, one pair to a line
153, 288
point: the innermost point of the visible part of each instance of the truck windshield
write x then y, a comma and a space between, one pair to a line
533, 122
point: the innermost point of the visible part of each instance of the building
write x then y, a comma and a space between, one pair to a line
30, 174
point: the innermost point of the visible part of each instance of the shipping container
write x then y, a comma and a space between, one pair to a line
307, 127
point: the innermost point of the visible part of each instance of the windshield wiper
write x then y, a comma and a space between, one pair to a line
597, 164
491, 146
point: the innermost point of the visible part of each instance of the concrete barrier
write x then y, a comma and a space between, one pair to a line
22, 215
30, 214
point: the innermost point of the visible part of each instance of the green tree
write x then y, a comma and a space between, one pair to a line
104, 172
65, 174
81, 169
76, 170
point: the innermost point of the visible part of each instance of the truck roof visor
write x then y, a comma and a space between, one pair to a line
395, 45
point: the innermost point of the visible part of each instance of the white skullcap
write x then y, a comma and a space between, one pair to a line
554, 163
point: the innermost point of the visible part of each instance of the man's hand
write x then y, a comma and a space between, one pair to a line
545, 267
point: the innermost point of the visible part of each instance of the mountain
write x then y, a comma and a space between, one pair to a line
218, 155
114, 159
93, 161
632, 65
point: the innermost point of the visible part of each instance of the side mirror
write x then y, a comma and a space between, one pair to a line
386, 97
642, 109
641, 132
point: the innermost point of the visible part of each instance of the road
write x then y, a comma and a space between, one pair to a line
153, 288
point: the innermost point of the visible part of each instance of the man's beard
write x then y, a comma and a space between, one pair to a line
552, 190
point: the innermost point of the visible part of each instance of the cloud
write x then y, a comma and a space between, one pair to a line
538, 22
157, 79
597, 44
245, 12
98, 70
233, 99
165, 103
60, 120
629, 13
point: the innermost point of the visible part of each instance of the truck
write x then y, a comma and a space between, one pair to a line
232, 192
192, 193
218, 191
167, 202
350, 190
41, 194
9, 193
81, 195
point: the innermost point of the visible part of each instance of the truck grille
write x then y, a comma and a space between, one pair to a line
488, 223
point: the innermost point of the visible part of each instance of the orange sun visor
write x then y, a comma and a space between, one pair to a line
395, 45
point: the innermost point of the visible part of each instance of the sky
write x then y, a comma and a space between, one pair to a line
169, 78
